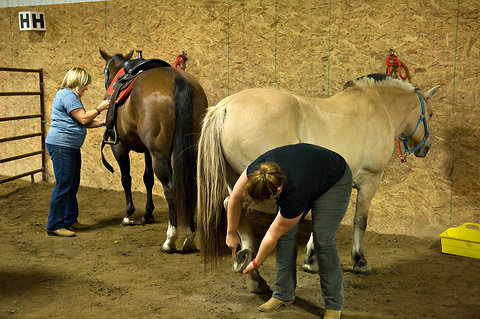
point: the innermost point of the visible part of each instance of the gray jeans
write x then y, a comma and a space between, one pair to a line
327, 213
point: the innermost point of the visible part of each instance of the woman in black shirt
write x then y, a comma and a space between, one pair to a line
300, 178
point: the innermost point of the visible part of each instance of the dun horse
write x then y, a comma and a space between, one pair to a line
360, 123
162, 119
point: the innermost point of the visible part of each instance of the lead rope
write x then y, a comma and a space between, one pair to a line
181, 59
393, 61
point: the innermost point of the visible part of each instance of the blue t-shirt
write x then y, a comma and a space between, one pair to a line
65, 130
310, 171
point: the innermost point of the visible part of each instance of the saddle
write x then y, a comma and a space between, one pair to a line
120, 89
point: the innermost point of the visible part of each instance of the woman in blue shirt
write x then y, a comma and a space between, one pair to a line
64, 139
300, 177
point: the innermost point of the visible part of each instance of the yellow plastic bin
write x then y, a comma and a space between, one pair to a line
463, 240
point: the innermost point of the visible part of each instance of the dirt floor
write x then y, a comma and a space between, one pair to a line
110, 271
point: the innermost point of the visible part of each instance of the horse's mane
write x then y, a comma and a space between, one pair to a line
380, 79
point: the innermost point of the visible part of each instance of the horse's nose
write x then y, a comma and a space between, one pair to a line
422, 151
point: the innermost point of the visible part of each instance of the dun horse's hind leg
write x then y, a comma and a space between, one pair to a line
149, 180
189, 242
255, 282
121, 155
249, 247
163, 171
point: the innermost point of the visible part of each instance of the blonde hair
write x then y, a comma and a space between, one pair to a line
263, 183
75, 79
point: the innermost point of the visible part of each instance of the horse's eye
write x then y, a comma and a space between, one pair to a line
430, 115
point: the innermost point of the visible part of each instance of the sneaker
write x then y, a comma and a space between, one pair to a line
62, 232
274, 304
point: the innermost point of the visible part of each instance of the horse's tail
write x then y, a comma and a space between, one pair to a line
211, 185
184, 154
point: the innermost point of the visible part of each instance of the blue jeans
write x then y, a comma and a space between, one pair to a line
327, 214
67, 163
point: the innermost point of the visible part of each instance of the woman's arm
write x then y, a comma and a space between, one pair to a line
234, 212
94, 124
278, 228
86, 117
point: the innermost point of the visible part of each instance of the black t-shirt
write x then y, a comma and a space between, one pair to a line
310, 172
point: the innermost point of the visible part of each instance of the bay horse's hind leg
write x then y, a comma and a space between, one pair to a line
121, 153
163, 171
148, 180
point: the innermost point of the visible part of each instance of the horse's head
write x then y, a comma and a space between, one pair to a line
113, 64
415, 138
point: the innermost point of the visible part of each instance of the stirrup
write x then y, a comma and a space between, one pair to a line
107, 134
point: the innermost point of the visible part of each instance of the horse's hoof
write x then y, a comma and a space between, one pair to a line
189, 250
310, 264
242, 259
127, 222
257, 284
311, 268
148, 220
167, 249
363, 268
189, 247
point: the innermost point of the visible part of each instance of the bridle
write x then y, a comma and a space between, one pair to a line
107, 72
423, 119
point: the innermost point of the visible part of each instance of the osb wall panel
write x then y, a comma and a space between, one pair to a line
309, 48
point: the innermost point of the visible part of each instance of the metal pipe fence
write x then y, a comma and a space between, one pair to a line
41, 134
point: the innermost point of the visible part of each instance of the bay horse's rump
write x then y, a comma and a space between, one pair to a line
161, 118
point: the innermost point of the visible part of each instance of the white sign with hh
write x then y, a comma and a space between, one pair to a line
31, 21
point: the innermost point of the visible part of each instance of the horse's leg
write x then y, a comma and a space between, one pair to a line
366, 190
163, 171
255, 282
121, 152
189, 242
148, 180
310, 263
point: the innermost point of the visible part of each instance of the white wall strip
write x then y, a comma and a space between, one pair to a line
24, 3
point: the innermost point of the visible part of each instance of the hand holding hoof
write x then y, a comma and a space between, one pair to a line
242, 259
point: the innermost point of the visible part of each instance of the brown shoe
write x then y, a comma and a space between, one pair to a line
62, 232
274, 304
78, 226
332, 314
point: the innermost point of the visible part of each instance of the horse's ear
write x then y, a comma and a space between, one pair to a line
104, 55
128, 56
431, 92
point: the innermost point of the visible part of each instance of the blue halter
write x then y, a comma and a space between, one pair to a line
423, 119
107, 73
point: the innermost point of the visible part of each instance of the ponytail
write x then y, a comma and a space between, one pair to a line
263, 183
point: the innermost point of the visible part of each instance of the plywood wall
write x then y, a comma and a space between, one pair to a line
309, 48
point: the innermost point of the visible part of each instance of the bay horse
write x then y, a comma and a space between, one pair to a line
162, 119
360, 123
